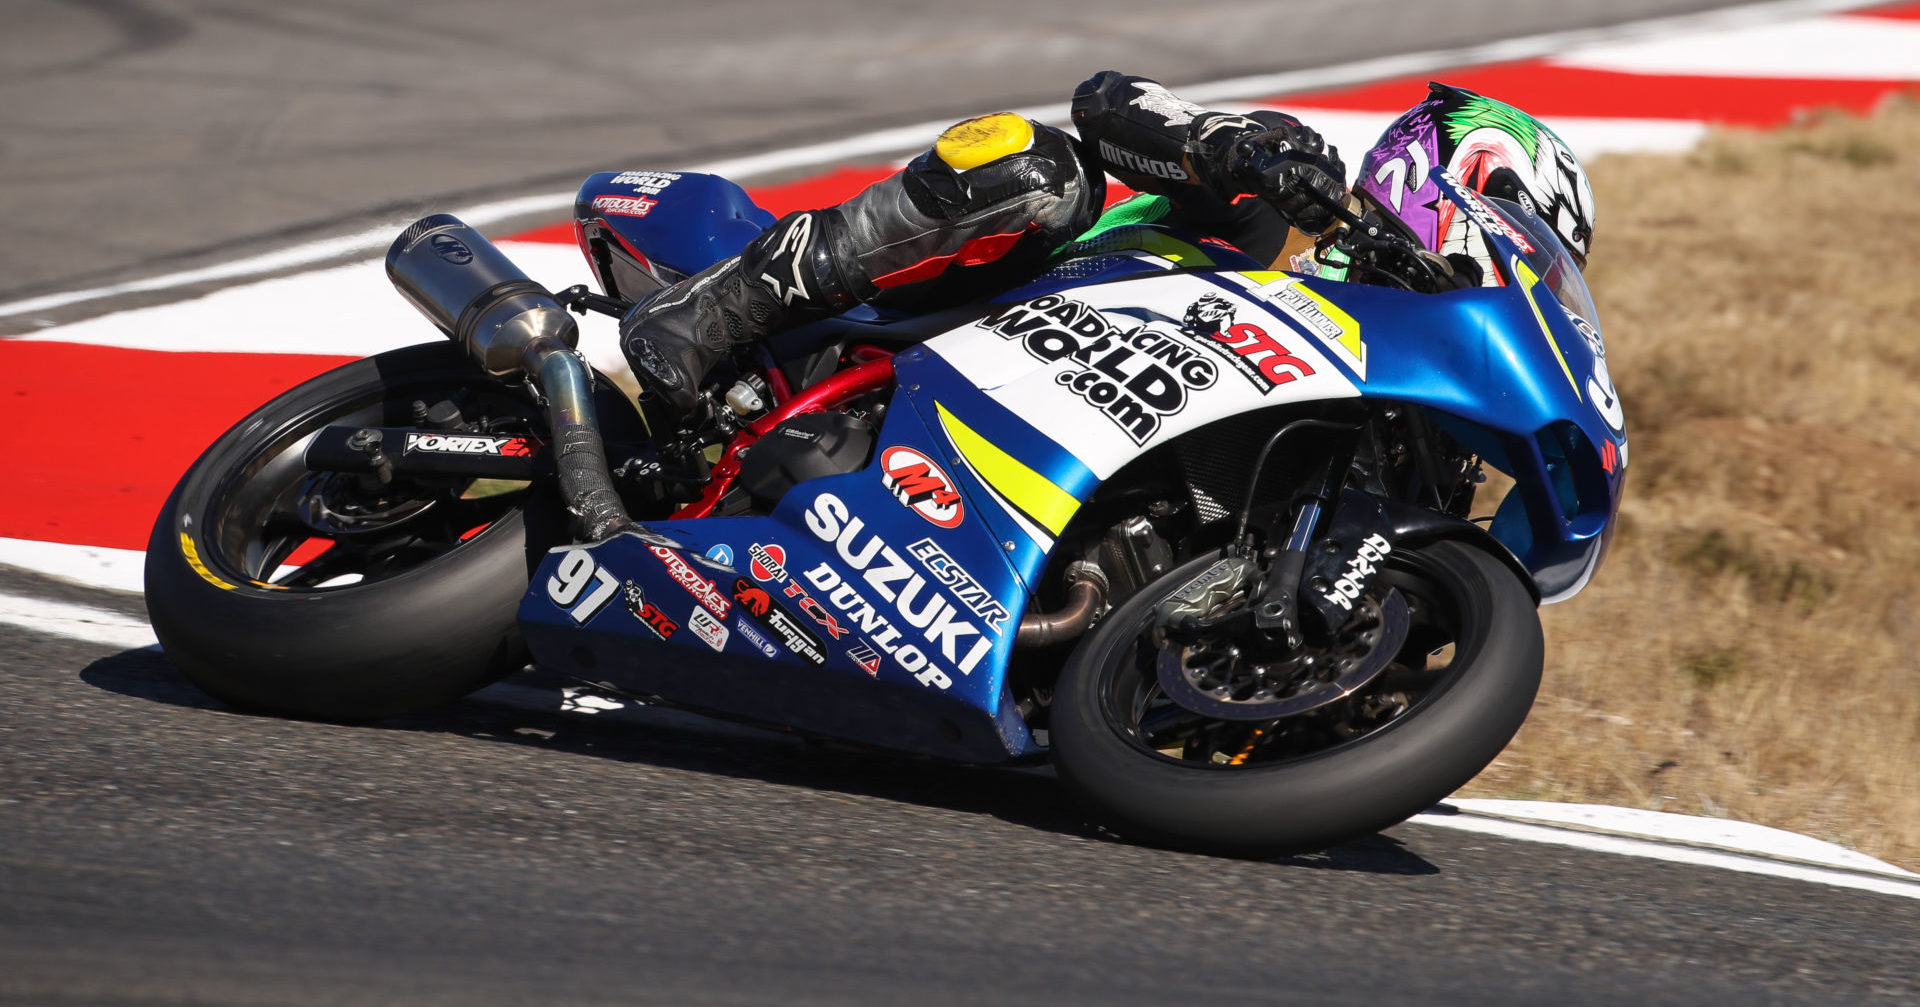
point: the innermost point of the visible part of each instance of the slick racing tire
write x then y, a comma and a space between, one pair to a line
1460, 681
330, 596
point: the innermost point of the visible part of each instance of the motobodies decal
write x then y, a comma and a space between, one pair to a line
1111, 370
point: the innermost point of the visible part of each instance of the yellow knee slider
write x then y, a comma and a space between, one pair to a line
983, 139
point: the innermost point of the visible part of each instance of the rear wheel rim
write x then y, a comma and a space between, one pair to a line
343, 530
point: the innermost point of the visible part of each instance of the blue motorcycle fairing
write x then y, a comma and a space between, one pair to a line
1512, 372
678, 223
912, 606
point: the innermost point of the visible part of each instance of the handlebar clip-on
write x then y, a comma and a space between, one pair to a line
1375, 250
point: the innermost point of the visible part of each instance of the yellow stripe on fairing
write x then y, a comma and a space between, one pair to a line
1036, 495
1169, 247
1349, 326
1528, 280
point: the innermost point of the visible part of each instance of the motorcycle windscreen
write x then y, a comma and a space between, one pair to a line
1560, 518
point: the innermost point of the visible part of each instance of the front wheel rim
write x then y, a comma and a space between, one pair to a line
1140, 711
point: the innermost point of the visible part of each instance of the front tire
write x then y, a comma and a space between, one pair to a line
410, 601
1159, 773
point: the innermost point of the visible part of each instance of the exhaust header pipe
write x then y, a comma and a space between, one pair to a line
511, 325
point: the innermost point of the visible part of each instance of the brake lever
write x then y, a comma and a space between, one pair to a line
1340, 211
1359, 238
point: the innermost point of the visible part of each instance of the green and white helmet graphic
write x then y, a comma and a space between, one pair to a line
1495, 149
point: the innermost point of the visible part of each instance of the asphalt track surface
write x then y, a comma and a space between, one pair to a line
158, 848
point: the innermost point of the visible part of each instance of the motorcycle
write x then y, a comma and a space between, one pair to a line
1192, 529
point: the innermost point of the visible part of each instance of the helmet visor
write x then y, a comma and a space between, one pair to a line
1551, 261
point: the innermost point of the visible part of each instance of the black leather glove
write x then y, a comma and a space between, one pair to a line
1137, 130
1286, 165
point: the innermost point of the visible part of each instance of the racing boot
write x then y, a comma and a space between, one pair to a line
785, 277
985, 205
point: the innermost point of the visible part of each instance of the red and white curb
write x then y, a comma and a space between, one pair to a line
202, 363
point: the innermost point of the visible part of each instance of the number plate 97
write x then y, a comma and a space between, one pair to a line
581, 587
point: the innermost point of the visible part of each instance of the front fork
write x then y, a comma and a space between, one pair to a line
1325, 547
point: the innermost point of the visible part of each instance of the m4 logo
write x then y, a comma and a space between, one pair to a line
916, 481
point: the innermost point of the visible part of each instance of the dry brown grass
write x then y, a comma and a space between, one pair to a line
1749, 650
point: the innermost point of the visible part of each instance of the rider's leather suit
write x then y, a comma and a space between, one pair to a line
992, 198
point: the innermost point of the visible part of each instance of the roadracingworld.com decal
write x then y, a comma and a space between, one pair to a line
1109, 371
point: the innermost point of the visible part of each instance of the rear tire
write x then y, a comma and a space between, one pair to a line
1459, 717
431, 616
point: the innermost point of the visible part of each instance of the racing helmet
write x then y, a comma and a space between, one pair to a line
1492, 148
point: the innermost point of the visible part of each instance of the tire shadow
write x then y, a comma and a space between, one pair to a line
540, 710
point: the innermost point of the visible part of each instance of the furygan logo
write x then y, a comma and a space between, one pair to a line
754, 601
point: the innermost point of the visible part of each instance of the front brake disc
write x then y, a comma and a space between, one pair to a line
1214, 679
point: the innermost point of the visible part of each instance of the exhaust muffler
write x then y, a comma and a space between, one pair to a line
509, 324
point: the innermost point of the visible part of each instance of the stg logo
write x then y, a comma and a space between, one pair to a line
922, 485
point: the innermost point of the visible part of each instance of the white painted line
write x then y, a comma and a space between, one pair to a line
1721, 834
374, 239
76, 622
903, 138
1546, 45
1355, 132
363, 316
1834, 48
1656, 850
88, 565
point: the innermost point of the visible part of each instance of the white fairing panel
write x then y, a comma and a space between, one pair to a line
1113, 369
